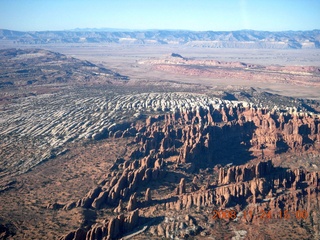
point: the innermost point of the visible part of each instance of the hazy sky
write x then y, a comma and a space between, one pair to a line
216, 15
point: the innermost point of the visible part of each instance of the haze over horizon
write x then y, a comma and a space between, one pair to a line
204, 15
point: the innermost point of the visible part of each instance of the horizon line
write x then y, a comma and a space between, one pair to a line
106, 29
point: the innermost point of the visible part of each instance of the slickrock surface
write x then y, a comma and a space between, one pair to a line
47, 123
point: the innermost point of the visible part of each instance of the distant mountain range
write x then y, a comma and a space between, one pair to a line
211, 39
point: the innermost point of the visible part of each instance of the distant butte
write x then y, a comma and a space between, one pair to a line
176, 55
176, 64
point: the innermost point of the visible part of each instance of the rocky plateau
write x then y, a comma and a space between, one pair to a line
86, 154
175, 63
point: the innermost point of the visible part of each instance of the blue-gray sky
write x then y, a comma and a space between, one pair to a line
201, 15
